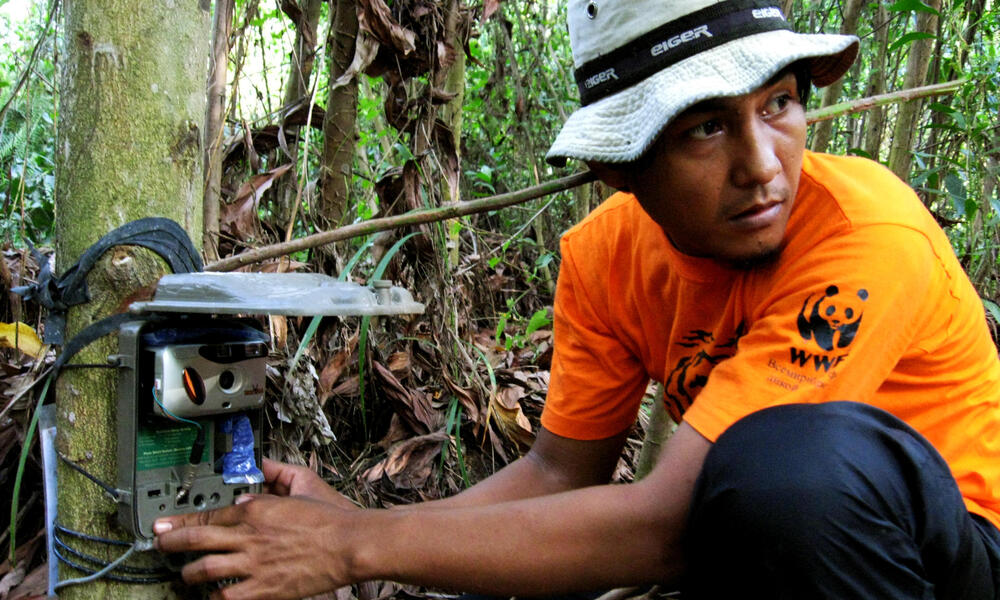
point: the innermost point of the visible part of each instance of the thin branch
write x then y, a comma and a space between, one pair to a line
845, 108
414, 217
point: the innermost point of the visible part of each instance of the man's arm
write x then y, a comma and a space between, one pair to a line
585, 539
554, 464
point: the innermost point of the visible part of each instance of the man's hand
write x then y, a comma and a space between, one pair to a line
279, 548
272, 544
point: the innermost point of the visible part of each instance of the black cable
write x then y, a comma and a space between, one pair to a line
113, 492
90, 538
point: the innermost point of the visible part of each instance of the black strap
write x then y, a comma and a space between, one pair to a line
161, 235
673, 42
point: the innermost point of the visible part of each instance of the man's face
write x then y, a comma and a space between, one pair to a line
721, 179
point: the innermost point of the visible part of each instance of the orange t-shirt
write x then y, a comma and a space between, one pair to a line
866, 302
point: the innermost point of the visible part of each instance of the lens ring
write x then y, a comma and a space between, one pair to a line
227, 379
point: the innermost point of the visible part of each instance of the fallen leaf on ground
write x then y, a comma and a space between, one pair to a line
21, 336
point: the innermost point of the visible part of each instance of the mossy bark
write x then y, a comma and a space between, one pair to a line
132, 101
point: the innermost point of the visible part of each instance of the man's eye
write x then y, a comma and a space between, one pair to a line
778, 103
705, 130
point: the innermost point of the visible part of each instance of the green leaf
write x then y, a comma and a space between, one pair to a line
910, 38
912, 6
501, 326
959, 198
955, 115
992, 308
354, 260
538, 320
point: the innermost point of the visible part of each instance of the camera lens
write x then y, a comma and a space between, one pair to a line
226, 380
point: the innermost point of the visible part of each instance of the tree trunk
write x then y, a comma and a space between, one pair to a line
215, 123
786, 7
131, 106
831, 94
908, 117
876, 121
452, 81
656, 433
341, 116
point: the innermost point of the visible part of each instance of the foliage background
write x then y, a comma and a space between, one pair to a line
460, 101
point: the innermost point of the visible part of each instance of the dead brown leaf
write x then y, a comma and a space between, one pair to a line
34, 585
348, 388
508, 397
279, 330
413, 406
375, 18
490, 7
399, 363
397, 432
409, 462
511, 421
469, 404
331, 374
238, 219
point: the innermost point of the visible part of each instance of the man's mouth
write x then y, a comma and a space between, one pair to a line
757, 216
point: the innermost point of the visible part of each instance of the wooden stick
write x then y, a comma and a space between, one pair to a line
845, 108
414, 217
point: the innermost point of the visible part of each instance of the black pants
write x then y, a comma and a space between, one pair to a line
836, 500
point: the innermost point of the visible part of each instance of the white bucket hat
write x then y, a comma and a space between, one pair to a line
638, 63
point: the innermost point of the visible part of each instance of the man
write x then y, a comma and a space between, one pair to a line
813, 330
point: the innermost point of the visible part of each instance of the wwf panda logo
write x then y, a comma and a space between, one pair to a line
832, 319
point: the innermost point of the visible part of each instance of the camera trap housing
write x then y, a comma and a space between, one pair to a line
192, 382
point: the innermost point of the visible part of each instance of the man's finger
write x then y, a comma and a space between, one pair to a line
214, 567
278, 476
207, 538
248, 589
228, 515
271, 468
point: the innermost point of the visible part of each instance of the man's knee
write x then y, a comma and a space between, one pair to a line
839, 492
806, 463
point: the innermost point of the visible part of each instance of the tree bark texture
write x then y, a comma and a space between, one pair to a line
129, 146
215, 123
341, 115
452, 81
875, 120
831, 94
908, 117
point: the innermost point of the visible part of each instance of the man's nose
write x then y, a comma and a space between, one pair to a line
755, 160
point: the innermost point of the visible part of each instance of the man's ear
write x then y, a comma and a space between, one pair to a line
610, 175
